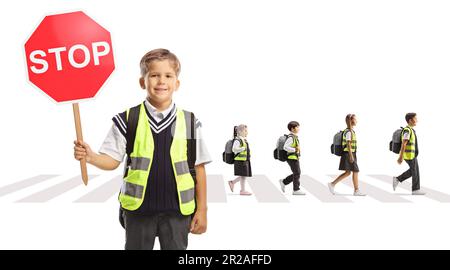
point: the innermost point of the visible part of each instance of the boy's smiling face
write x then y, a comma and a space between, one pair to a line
160, 82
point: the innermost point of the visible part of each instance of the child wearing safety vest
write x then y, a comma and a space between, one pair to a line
292, 147
163, 192
348, 161
242, 165
409, 153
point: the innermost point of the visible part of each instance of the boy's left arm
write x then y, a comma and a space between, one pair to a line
199, 222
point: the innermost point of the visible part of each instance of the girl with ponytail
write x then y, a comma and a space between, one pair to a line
348, 161
242, 166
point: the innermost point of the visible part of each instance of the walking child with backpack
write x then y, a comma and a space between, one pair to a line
409, 150
241, 161
347, 151
292, 148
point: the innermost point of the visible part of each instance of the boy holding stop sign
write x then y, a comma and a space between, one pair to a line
164, 188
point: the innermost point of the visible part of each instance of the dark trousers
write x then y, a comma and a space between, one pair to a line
295, 176
413, 172
171, 228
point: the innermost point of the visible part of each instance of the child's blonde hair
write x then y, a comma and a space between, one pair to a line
239, 130
159, 55
348, 120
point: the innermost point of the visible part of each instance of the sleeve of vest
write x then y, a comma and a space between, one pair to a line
114, 144
120, 121
202, 154
406, 135
348, 135
287, 145
198, 126
237, 147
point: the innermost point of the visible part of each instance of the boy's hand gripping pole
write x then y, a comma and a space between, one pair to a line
76, 115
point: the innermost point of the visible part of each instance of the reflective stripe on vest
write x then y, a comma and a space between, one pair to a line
344, 141
294, 144
242, 156
135, 183
410, 150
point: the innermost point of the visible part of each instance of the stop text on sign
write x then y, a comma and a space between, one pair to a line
69, 56
78, 56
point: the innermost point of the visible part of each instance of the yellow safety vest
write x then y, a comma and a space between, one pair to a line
410, 150
344, 141
135, 182
294, 144
242, 156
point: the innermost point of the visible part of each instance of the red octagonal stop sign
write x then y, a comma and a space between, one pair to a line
69, 56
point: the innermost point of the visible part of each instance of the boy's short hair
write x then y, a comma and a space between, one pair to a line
410, 116
292, 124
159, 55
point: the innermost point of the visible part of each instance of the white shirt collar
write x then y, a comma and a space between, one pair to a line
158, 115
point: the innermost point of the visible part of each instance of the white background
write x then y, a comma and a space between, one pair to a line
261, 63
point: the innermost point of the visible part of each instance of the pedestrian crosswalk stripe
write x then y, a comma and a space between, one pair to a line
25, 183
376, 192
430, 193
56, 190
216, 189
320, 191
265, 191
104, 192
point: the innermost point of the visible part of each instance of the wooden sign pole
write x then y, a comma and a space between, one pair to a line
76, 115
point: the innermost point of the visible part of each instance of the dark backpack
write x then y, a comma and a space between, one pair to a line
228, 155
132, 121
396, 144
337, 147
279, 153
